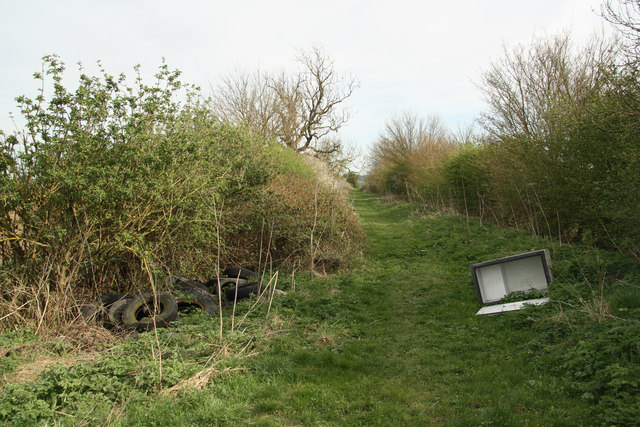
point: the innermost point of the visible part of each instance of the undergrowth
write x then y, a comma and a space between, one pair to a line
393, 342
113, 185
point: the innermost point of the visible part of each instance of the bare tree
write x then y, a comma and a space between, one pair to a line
340, 156
246, 99
299, 110
521, 88
625, 15
404, 159
405, 133
322, 92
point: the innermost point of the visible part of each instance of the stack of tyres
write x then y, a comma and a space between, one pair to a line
147, 311
141, 312
190, 293
236, 283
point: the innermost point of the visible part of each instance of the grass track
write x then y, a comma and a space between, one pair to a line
394, 342
407, 348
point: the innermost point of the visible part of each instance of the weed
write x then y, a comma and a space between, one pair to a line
114, 184
393, 342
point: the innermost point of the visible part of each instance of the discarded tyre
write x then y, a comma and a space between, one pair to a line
242, 273
222, 283
140, 313
99, 309
114, 312
244, 291
189, 296
91, 311
180, 280
108, 299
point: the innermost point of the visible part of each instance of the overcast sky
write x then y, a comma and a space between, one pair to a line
418, 55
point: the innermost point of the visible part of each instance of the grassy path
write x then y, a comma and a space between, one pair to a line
394, 342
402, 345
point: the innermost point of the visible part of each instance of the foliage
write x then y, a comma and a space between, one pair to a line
112, 186
302, 110
405, 158
521, 87
560, 156
467, 178
352, 178
603, 367
395, 341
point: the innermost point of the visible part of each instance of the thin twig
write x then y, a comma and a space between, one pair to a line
153, 317
273, 291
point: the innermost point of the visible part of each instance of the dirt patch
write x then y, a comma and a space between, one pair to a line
81, 341
30, 371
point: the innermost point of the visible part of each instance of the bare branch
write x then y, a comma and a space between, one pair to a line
521, 89
299, 110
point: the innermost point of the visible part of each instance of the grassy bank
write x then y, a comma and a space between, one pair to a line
393, 342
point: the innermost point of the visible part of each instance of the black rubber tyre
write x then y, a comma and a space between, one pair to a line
108, 299
92, 310
243, 273
180, 280
138, 313
114, 313
243, 291
225, 282
189, 295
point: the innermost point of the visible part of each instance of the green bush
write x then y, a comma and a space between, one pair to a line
112, 186
467, 179
352, 178
560, 154
603, 368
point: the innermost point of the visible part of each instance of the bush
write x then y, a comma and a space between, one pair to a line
604, 369
352, 178
560, 157
467, 180
110, 187
406, 157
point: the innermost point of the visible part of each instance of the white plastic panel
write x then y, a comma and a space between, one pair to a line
491, 281
512, 306
498, 278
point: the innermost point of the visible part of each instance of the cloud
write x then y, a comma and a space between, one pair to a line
407, 54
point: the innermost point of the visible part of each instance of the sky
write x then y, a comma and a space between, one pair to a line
422, 56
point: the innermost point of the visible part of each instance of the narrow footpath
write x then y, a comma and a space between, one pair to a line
413, 352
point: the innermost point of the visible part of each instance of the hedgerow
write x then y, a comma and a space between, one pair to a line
559, 157
113, 185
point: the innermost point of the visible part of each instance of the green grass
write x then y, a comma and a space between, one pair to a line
393, 342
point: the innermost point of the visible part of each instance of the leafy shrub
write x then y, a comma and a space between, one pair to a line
467, 179
560, 156
604, 369
406, 156
352, 178
112, 186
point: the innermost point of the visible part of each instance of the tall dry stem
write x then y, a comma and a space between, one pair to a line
235, 301
217, 224
313, 229
155, 310
272, 293
259, 300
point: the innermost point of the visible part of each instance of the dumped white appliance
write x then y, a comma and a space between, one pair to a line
498, 278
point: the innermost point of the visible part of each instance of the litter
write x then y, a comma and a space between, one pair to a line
498, 278
511, 306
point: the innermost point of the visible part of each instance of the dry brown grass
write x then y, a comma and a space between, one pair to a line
200, 379
29, 371
326, 339
84, 341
